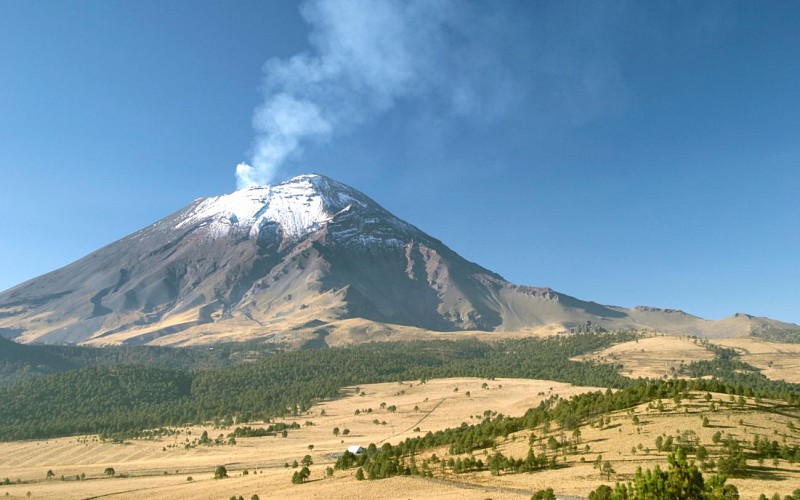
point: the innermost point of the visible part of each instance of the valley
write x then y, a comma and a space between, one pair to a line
438, 405
390, 413
625, 427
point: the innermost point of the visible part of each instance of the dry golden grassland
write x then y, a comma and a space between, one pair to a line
619, 440
651, 357
160, 468
775, 360
662, 355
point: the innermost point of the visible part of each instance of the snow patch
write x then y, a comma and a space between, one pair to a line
299, 206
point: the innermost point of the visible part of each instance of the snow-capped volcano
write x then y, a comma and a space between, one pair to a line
260, 259
297, 207
299, 258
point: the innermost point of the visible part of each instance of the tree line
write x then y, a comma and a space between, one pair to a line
20, 362
403, 458
130, 397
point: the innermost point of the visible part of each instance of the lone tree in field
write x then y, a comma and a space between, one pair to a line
50, 474
220, 472
608, 469
204, 439
110, 472
336, 431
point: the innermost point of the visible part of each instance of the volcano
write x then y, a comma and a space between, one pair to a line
298, 261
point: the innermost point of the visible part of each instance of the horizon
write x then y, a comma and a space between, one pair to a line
628, 306
627, 154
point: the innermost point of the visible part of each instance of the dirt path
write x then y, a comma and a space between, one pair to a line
416, 424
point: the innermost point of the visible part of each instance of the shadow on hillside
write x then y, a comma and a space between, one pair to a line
767, 473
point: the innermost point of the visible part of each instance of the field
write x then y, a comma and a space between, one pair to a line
180, 462
651, 357
777, 361
662, 356
159, 468
619, 440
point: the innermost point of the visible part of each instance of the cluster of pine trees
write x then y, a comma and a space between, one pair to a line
121, 399
681, 480
128, 398
569, 414
271, 430
20, 362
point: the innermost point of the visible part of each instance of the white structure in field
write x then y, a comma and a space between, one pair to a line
356, 450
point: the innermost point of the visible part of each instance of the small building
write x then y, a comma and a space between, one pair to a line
356, 450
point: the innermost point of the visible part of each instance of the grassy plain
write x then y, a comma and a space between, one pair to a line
663, 355
651, 357
160, 468
777, 361
619, 440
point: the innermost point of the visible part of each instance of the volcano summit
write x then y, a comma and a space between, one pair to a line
297, 261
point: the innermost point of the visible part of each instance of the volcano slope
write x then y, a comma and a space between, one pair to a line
298, 262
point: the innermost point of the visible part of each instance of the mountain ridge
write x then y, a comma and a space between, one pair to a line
266, 260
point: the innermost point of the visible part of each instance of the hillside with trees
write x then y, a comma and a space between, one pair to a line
127, 398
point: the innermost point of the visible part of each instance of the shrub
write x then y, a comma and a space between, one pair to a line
220, 472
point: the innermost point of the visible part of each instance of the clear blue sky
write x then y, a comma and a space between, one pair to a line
622, 152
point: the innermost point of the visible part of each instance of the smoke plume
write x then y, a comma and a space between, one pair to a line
366, 56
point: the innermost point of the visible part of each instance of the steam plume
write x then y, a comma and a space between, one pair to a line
367, 55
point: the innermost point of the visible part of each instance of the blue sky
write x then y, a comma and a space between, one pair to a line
622, 152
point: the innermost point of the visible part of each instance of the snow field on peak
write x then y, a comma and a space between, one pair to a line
297, 206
